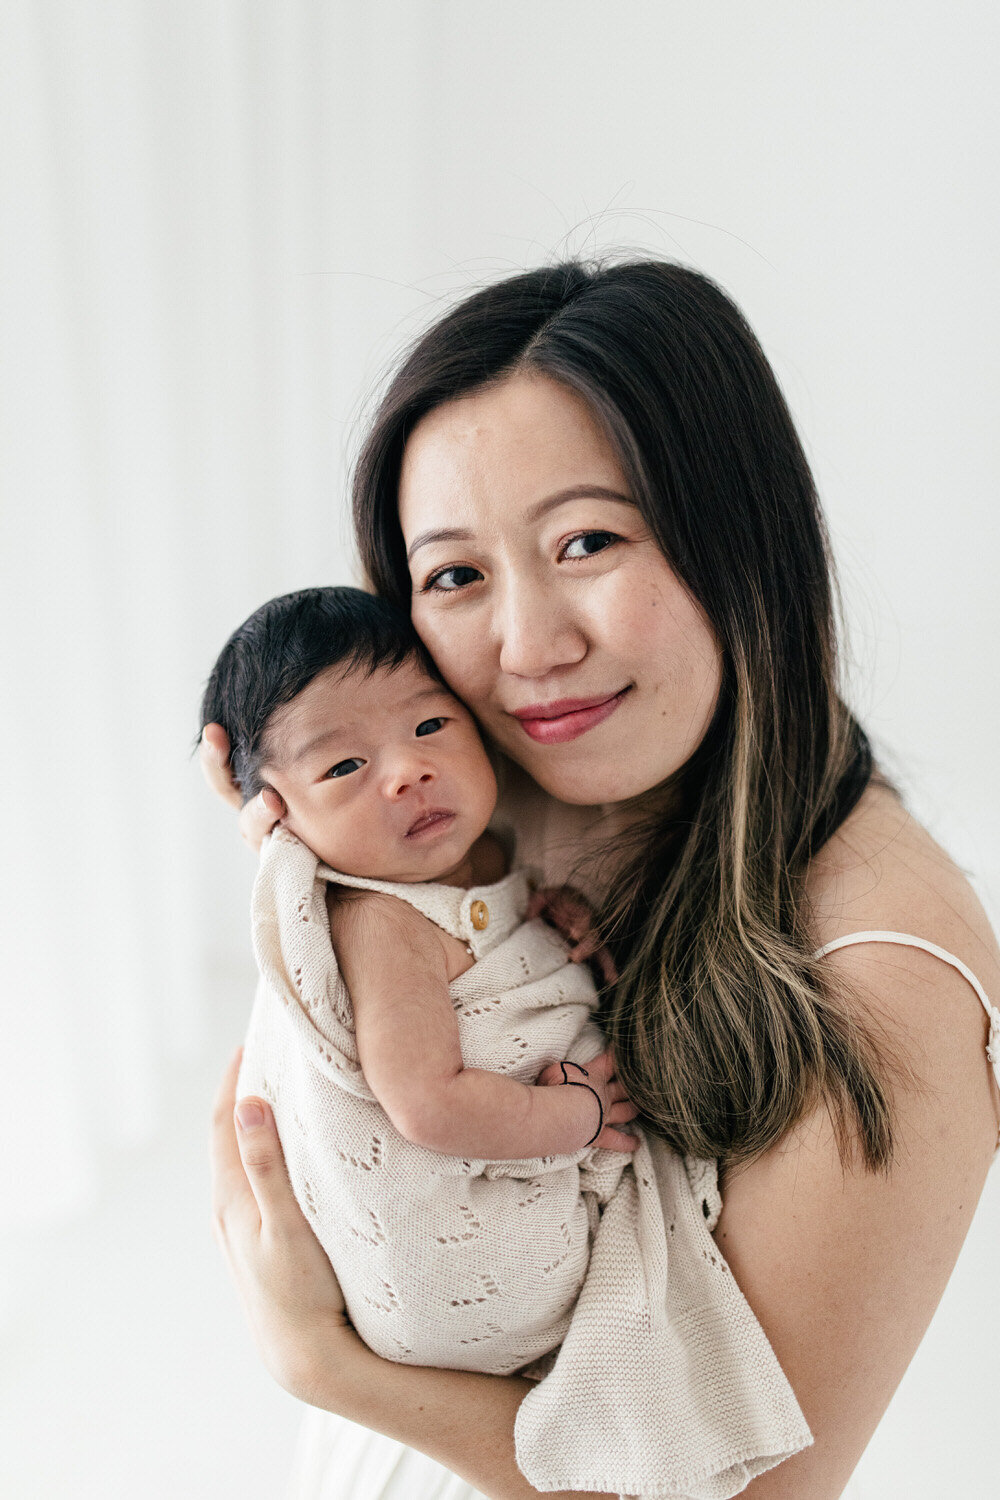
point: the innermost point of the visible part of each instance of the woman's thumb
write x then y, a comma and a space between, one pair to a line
260, 1149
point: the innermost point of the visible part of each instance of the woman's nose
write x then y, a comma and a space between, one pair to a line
537, 633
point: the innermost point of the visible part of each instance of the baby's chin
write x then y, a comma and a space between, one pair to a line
398, 866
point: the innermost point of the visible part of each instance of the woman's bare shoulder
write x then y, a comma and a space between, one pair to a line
883, 871
844, 1267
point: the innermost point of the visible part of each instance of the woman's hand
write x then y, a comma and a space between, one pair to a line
599, 1073
261, 812
288, 1286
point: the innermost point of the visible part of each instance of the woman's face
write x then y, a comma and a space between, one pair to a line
545, 600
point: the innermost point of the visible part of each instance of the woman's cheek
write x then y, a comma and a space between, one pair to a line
458, 654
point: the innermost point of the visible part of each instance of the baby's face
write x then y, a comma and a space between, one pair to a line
383, 776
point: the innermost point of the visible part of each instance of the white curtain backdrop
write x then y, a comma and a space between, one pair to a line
198, 278
222, 219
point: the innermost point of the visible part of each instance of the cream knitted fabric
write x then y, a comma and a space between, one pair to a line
648, 1383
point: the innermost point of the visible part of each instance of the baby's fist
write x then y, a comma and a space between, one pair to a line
616, 1107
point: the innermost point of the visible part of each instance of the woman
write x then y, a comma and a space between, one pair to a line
587, 486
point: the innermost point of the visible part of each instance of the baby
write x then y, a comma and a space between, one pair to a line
330, 698
477, 1217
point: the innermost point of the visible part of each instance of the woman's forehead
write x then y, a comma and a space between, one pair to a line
513, 445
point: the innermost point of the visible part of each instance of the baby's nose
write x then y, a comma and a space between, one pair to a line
405, 778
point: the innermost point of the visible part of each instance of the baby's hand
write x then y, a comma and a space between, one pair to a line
599, 1073
569, 913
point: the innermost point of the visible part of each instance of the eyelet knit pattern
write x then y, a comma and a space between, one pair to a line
594, 1274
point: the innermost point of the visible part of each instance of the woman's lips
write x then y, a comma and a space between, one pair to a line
430, 823
566, 718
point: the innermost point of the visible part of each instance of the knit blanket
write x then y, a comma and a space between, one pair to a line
593, 1274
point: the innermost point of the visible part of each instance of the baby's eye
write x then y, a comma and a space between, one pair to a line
449, 580
345, 767
430, 726
590, 542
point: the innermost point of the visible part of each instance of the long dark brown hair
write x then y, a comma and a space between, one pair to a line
725, 1028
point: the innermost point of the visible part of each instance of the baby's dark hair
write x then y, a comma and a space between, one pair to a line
278, 651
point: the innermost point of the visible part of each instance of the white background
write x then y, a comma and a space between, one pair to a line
222, 222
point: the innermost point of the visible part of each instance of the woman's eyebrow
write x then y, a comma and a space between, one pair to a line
445, 534
533, 513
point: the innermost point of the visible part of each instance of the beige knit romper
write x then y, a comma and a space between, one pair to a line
593, 1273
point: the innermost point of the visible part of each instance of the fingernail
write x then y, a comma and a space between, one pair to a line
249, 1114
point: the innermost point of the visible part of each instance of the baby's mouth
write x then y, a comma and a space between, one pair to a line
437, 819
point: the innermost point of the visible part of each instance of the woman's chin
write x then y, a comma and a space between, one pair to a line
580, 785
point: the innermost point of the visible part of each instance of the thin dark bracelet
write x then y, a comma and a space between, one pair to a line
575, 1083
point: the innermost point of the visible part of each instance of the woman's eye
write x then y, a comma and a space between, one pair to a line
589, 542
451, 579
430, 726
345, 767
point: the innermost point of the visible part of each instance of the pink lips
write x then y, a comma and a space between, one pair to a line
565, 718
436, 820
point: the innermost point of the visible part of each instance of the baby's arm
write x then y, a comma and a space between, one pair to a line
396, 970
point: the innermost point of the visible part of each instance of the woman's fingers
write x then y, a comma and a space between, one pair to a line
260, 815
263, 1162
213, 756
232, 1195
252, 1198
250, 1187
279, 1268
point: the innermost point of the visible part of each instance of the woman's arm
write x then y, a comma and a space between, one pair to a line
844, 1269
395, 968
293, 1301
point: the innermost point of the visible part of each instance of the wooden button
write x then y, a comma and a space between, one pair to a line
480, 914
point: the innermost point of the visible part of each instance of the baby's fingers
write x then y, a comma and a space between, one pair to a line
584, 949
603, 1065
615, 1140
536, 905
618, 1113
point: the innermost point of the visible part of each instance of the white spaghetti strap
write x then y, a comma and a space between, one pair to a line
907, 940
